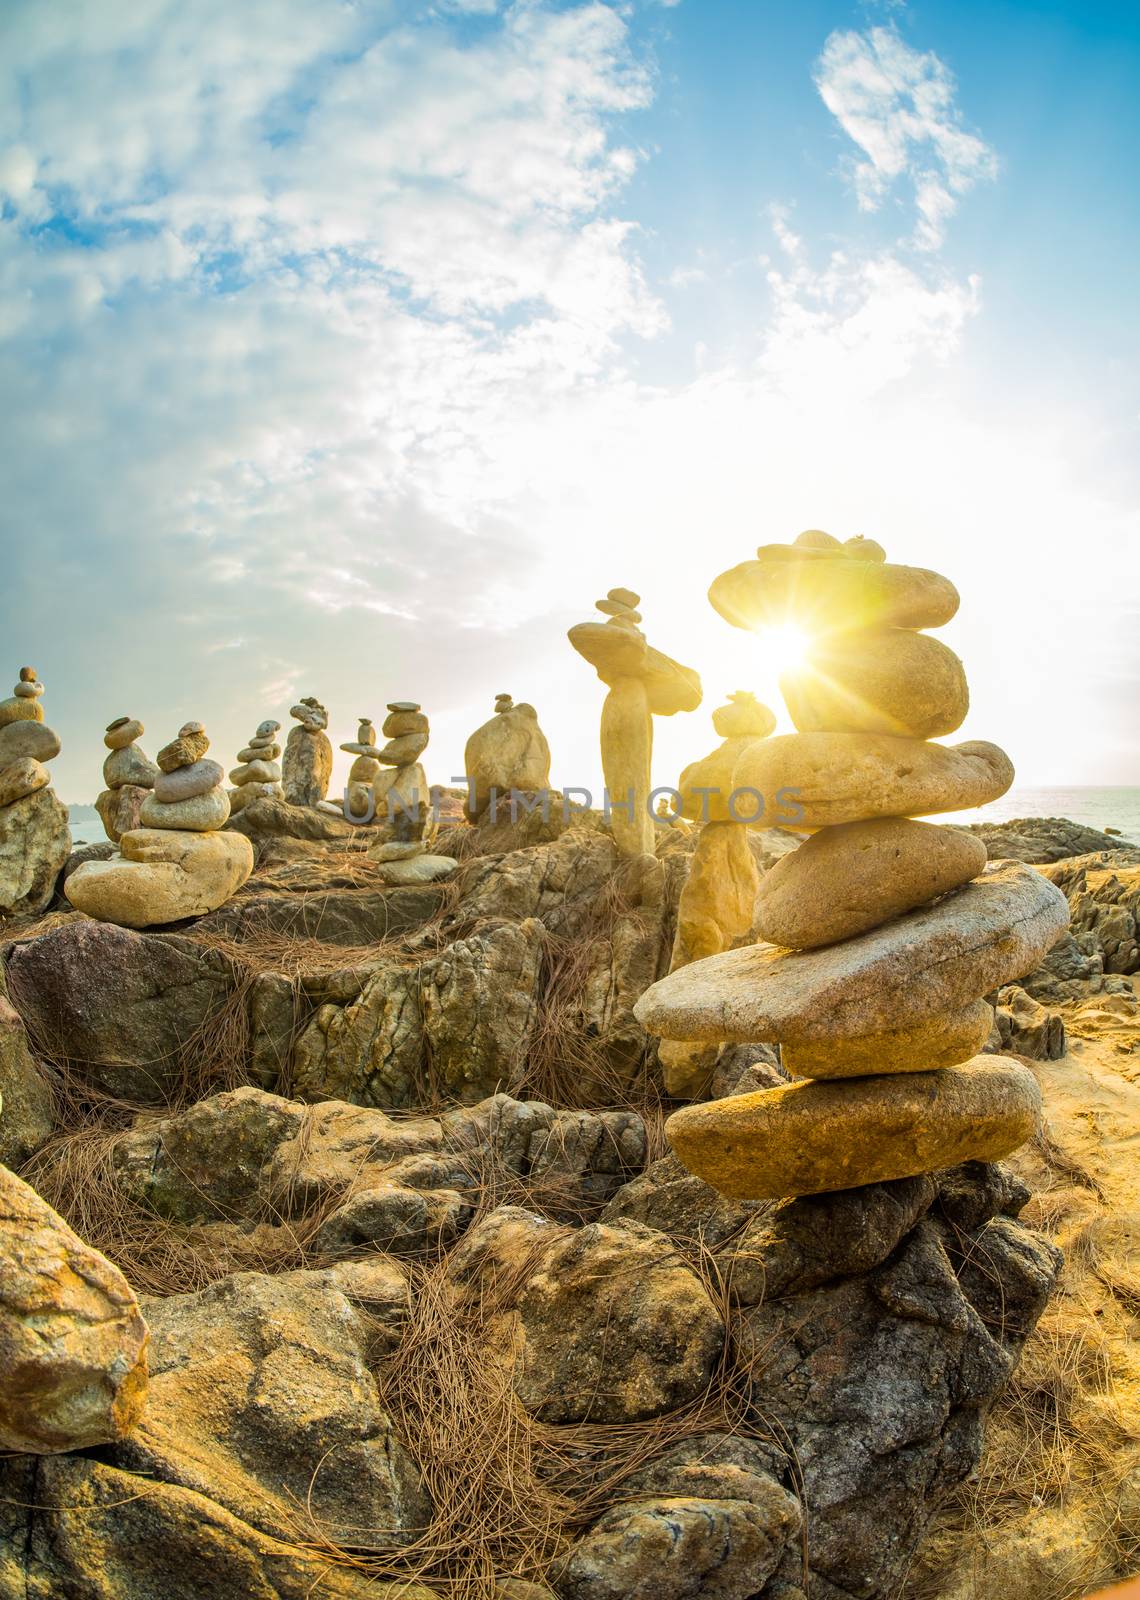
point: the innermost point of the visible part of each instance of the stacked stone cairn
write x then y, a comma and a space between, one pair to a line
257, 772
307, 767
364, 771
35, 840
643, 683
403, 801
718, 902
508, 752
129, 775
882, 934
178, 863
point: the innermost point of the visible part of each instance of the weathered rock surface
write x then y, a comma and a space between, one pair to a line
1104, 906
807, 1138
604, 1323
27, 1107
990, 932
877, 680
120, 810
73, 1370
833, 594
941, 1041
1044, 839
261, 1399
120, 1007
846, 879
163, 875
25, 740
22, 778
828, 778
306, 766
35, 841
1024, 1027
509, 751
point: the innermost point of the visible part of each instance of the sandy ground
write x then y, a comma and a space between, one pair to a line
1054, 1511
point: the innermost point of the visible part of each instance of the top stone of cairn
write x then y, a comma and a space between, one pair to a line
617, 650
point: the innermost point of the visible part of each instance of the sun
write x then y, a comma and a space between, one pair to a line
782, 648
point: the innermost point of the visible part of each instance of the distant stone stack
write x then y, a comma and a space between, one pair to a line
178, 863
258, 771
129, 775
364, 771
35, 840
884, 933
307, 767
643, 684
718, 901
401, 791
508, 752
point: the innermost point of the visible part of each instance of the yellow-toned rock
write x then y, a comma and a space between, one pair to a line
815, 780
847, 879
834, 592
162, 875
72, 1338
810, 1138
878, 680
941, 1041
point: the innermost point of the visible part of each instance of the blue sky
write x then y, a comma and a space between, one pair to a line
355, 349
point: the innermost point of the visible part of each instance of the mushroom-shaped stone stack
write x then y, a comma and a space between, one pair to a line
35, 840
129, 776
403, 801
643, 684
717, 904
882, 933
362, 775
308, 762
508, 752
178, 863
257, 772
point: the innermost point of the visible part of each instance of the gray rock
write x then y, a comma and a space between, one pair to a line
128, 764
27, 740
184, 783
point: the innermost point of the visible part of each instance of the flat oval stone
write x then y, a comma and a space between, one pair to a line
27, 740
22, 778
20, 709
811, 1138
200, 814
878, 680
941, 958
263, 772
402, 751
941, 1041
833, 593
814, 780
184, 783
122, 732
398, 723
847, 879
270, 750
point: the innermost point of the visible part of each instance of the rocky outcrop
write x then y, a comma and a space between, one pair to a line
1041, 839
73, 1369
35, 841
27, 1108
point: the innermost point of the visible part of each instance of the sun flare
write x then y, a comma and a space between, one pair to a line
783, 647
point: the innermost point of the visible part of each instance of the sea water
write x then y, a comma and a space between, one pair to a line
1096, 808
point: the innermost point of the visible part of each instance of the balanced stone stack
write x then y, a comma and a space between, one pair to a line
364, 771
257, 772
129, 775
508, 752
308, 760
882, 933
718, 902
643, 683
402, 797
178, 863
35, 840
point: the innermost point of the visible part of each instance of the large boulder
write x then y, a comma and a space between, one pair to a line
1042, 839
73, 1343
35, 841
604, 1323
261, 1398
27, 1105
163, 875
121, 1007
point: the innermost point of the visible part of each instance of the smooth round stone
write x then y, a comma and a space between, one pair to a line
744, 715
22, 778
20, 710
251, 791
403, 751
833, 593
812, 1138
129, 765
418, 869
878, 680
162, 876
363, 771
269, 751
941, 1041
396, 850
28, 691
240, 774
34, 740
815, 780
122, 732
263, 772
399, 723
190, 746
266, 730
845, 880
624, 597
199, 814
184, 783
935, 960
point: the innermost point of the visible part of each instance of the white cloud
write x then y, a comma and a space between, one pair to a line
897, 104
